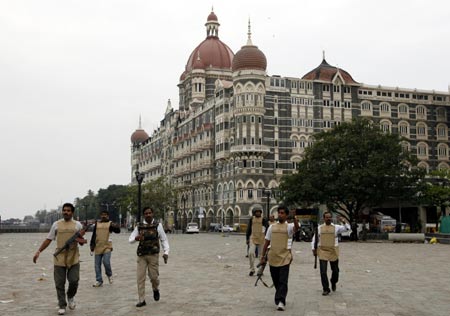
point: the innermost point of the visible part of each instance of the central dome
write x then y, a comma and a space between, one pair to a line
212, 51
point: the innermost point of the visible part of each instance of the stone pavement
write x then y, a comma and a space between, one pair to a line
207, 274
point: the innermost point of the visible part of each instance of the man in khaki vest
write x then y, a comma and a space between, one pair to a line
255, 236
328, 250
66, 264
279, 237
101, 245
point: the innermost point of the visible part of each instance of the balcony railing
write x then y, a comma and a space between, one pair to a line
250, 148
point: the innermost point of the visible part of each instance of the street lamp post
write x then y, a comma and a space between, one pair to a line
267, 193
183, 199
139, 179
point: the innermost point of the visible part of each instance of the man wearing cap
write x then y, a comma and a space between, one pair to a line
255, 236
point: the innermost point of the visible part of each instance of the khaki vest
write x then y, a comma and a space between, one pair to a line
327, 250
71, 256
102, 243
257, 231
279, 255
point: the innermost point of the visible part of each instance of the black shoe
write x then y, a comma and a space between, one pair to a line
333, 286
140, 304
326, 292
251, 273
156, 295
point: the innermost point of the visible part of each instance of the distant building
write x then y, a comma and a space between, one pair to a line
237, 130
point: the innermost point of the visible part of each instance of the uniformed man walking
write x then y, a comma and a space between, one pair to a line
328, 251
150, 235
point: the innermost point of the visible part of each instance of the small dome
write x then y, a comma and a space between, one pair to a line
212, 17
183, 76
326, 72
249, 57
139, 136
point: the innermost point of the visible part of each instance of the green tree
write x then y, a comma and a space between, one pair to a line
113, 198
436, 191
351, 167
158, 194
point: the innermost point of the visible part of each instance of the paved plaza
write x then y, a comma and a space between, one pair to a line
207, 274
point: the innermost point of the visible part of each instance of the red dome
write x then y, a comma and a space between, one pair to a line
139, 136
249, 57
198, 64
326, 72
213, 53
212, 17
183, 76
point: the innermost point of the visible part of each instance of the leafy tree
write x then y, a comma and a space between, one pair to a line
351, 167
436, 191
113, 199
158, 194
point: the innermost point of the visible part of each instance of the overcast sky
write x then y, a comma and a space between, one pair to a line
76, 75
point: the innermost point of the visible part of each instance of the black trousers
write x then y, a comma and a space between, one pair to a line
280, 276
334, 273
73, 276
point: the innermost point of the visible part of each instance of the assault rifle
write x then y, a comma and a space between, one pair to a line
316, 243
77, 237
260, 272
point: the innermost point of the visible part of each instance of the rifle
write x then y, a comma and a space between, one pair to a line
316, 243
260, 272
78, 236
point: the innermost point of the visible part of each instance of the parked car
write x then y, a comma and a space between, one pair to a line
226, 229
192, 228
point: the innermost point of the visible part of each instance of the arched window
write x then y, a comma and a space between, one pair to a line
385, 109
442, 131
403, 129
442, 151
424, 165
421, 130
385, 126
406, 147
403, 110
421, 112
366, 106
441, 114
422, 150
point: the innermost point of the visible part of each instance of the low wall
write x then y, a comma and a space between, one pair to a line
407, 237
23, 229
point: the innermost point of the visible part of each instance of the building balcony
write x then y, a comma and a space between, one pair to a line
259, 149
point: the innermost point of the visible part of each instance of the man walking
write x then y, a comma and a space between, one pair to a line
279, 237
255, 236
66, 263
328, 250
150, 235
101, 245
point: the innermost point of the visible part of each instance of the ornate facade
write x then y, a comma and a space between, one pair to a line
238, 130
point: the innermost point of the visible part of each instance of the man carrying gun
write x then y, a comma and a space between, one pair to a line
325, 246
279, 237
68, 234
